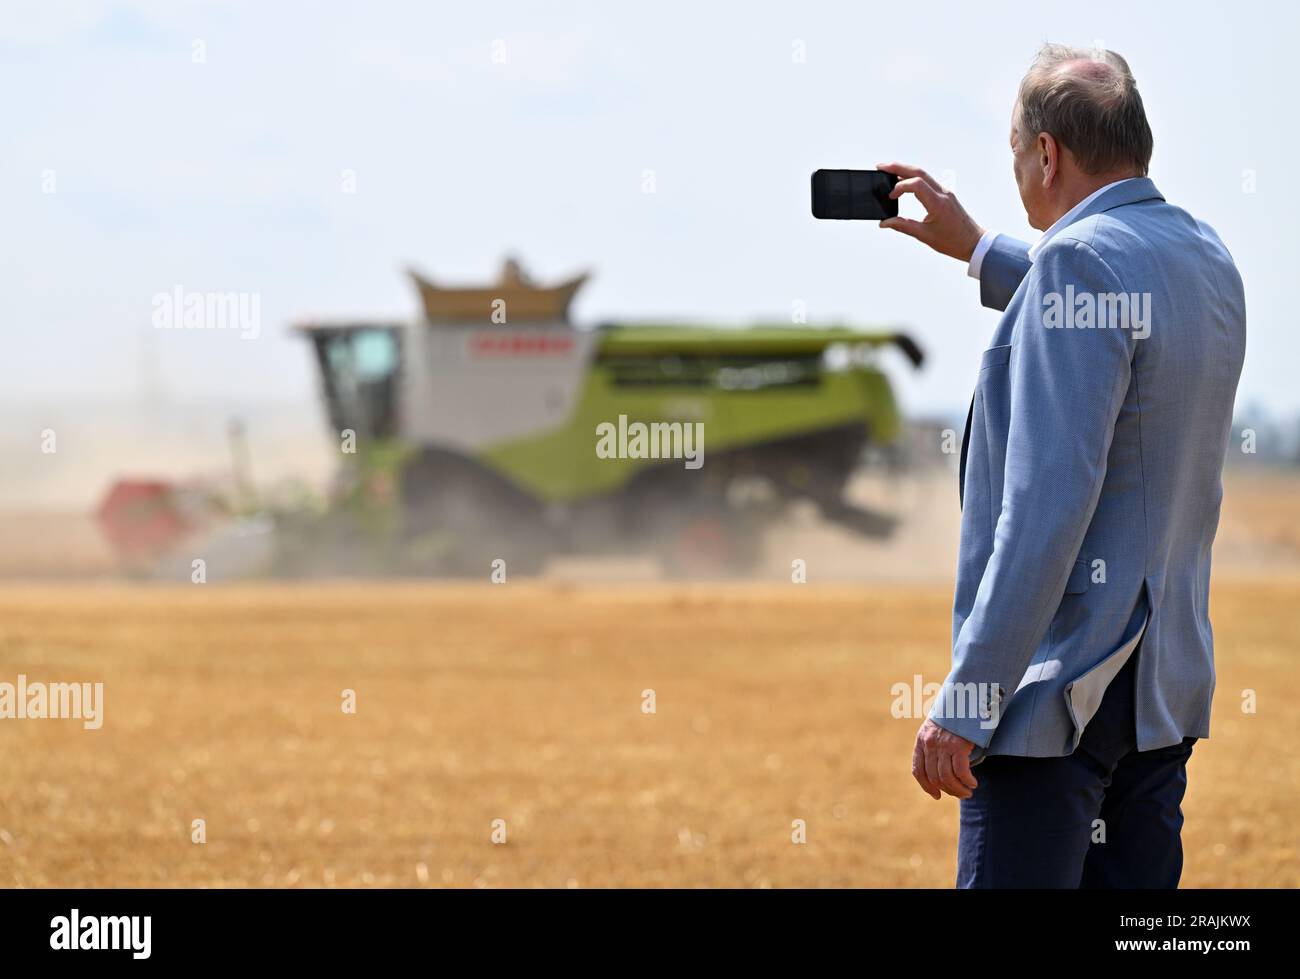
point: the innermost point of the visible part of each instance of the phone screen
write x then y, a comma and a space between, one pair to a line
853, 195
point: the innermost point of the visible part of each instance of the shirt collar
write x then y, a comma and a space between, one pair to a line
1070, 216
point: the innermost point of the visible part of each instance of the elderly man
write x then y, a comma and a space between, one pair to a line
1082, 660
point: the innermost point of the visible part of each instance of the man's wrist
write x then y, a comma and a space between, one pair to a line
981, 249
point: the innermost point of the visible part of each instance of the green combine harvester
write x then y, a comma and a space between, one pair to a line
474, 435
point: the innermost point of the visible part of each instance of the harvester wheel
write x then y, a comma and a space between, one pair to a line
457, 521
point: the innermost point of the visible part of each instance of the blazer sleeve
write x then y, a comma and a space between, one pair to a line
1067, 387
1003, 267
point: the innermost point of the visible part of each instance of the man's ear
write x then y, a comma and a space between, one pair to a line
1049, 158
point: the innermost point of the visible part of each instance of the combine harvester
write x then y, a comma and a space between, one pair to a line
472, 435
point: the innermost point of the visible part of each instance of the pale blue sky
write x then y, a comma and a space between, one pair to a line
226, 175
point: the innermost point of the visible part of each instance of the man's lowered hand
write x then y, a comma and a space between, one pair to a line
941, 762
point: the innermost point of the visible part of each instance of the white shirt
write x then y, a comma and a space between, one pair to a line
1067, 219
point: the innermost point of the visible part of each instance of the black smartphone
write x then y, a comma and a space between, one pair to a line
853, 195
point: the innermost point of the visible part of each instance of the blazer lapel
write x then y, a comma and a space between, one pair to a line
965, 443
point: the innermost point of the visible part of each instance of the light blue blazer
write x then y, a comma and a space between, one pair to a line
1092, 479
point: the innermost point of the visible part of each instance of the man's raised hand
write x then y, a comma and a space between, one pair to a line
947, 228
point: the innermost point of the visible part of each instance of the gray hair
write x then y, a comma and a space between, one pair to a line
1088, 100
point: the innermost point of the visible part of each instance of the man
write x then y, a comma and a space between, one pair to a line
1082, 666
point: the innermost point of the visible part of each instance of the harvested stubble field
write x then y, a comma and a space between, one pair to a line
523, 702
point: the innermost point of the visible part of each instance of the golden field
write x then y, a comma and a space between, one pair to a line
523, 702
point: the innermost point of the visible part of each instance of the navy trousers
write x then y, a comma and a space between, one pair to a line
1034, 822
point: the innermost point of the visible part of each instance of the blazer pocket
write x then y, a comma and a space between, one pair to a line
1079, 579
995, 356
